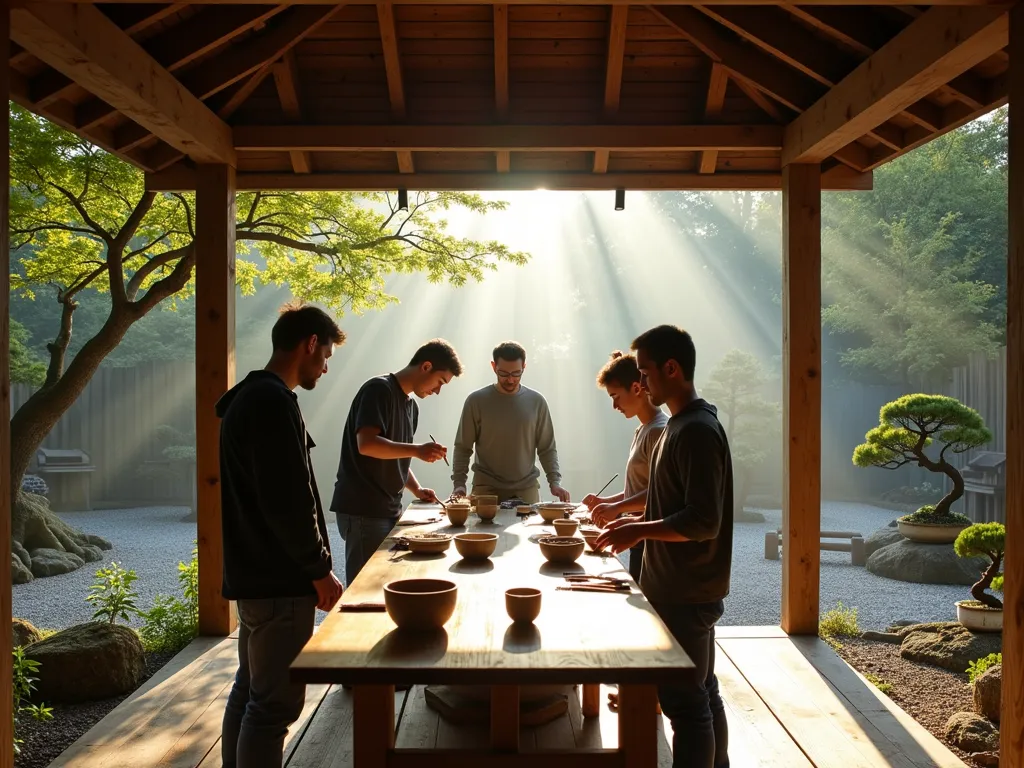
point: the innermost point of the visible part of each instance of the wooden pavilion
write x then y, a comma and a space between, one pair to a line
220, 95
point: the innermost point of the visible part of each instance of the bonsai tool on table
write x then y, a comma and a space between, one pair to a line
607, 484
591, 583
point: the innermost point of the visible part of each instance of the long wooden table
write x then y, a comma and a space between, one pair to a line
579, 638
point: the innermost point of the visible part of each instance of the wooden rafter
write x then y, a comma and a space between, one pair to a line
287, 81
718, 82
940, 45
617, 28
516, 138
611, 2
503, 158
393, 68
87, 47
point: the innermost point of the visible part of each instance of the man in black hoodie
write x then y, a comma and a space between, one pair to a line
688, 540
277, 555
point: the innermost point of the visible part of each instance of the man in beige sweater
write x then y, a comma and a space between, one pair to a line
509, 426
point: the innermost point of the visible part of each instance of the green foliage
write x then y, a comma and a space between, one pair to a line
24, 683
172, 622
25, 365
982, 540
838, 622
977, 667
927, 515
997, 583
909, 424
113, 594
879, 683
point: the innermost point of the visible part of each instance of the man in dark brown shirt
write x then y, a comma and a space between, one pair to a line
688, 540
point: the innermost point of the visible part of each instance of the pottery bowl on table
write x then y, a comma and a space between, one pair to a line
566, 527
486, 512
590, 536
458, 513
420, 604
561, 549
522, 604
554, 510
485, 500
427, 543
476, 546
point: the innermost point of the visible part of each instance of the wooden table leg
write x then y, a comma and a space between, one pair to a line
373, 725
505, 717
638, 725
591, 700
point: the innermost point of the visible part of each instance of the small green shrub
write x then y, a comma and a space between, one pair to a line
838, 622
113, 594
927, 515
24, 683
978, 666
879, 683
172, 622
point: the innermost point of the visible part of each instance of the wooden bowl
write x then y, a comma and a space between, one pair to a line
561, 549
522, 604
486, 500
476, 546
487, 512
458, 514
566, 527
554, 510
420, 604
427, 543
590, 536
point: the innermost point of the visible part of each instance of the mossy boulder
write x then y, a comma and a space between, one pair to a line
947, 644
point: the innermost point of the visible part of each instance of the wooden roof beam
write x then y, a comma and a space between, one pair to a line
503, 159
515, 138
932, 50
83, 44
718, 83
287, 82
617, 27
393, 69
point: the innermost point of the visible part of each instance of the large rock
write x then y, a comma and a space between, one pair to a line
88, 662
23, 632
54, 562
948, 644
988, 689
883, 537
907, 560
972, 733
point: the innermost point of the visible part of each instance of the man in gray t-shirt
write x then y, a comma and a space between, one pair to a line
509, 426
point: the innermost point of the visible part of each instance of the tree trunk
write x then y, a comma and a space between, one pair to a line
955, 493
978, 590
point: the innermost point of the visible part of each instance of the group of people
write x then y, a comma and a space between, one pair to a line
673, 514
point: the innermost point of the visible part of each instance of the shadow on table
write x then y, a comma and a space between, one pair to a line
521, 638
426, 647
472, 566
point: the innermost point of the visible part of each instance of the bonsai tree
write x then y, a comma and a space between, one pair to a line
909, 425
985, 540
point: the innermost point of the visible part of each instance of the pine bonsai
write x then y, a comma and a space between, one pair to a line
985, 540
909, 425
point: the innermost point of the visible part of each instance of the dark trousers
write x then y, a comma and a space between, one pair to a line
263, 701
636, 561
700, 736
362, 536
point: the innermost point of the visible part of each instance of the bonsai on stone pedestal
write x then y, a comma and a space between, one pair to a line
909, 425
985, 612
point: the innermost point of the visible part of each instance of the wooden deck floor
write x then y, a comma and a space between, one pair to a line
791, 702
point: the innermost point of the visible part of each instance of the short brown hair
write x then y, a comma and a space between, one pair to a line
440, 354
298, 322
620, 370
509, 350
667, 342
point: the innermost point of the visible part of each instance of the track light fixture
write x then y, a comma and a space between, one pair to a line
620, 199
403, 200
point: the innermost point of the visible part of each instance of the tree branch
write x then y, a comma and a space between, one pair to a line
59, 346
151, 266
168, 286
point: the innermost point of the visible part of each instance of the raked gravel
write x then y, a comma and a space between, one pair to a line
153, 540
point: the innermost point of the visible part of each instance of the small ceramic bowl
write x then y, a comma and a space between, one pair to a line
566, 527
487, 512
561, 549
420, 604
427, 543
554, 510
476, 546
485, 501
522, 604
590, 536
458, 514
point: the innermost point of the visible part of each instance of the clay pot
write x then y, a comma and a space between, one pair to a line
522, 604
427, 543
487, 512
561, 549
566, 527
458, 514
420, 604
476, 546
554, 510
590, 536
486, 500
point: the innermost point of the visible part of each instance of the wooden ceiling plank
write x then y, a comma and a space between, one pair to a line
617, 28
718, 83
393, 70
87, 47
944, 42
503, 159
286, 78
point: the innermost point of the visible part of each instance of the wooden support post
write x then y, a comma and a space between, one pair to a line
590, 701
638, 725
373, 723
1011, 724
801, 344
6, 694
505, 718
215, 373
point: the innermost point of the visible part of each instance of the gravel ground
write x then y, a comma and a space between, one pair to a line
153, 540
928, 694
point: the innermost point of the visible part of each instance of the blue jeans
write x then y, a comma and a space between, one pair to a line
700, 734
362, 536
263, 701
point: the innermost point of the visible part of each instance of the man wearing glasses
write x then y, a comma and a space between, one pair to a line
510, 427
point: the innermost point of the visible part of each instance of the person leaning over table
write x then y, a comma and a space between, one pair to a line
620, 378
510, 427
688, 540
377, 449
277, 554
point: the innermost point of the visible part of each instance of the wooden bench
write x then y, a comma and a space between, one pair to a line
853, 543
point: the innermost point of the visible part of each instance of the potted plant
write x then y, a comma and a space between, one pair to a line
985, 612
909, 425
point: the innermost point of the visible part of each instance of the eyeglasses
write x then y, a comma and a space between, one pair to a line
507, 375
